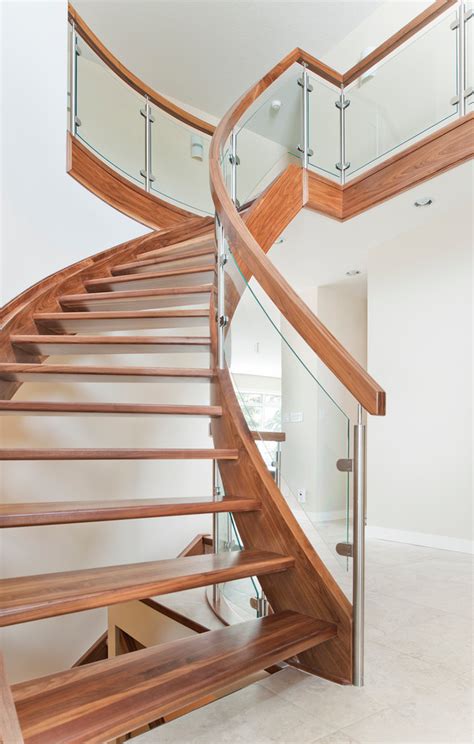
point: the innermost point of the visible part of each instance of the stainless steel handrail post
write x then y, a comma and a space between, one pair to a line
307, 88
278, 465
358, 549
234, 161
217, 495
342, 105
146, 172
73, 121
221, 317
463, 15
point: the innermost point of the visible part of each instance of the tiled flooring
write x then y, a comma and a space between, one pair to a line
418, 683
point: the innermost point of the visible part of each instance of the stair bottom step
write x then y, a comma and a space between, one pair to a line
107, 699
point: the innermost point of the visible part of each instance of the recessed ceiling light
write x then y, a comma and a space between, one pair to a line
352, 272
425, 202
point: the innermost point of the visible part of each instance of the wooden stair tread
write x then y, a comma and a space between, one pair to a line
87, 373
51, 344
173, 248
203, 274
141, 298
67, 512
119, 319
47, 595
198, 256
114, 453
33, 407
100, 701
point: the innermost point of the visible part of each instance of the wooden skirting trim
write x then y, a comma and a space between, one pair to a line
118, 191
431, 156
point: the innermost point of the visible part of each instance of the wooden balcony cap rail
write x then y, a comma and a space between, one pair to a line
116, 66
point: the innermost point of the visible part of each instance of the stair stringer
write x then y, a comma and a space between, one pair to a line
307, 588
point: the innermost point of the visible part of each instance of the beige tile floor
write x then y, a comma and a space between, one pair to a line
418, 681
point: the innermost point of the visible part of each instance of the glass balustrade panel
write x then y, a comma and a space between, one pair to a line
324, 128
403, 97
180, 163
269, 135
109, 119
238, 598
282, 387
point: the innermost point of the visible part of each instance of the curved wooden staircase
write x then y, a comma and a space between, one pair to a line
115, 302
65, 314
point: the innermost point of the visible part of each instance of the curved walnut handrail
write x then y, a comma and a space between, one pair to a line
362, 386
119, 69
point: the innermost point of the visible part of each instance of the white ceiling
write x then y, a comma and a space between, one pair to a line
206, 53
317, 250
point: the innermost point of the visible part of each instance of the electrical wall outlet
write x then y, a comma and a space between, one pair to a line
296, 417
301, 495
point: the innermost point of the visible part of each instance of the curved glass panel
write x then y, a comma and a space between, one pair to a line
180, 163
109, 119
403, 97
282, 386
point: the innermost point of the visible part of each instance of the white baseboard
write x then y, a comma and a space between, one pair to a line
441, 542
328, 516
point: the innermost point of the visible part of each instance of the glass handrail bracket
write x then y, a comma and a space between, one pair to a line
403, 97
281, 386
109, 119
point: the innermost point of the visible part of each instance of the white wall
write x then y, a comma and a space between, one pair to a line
420, 346
48, 222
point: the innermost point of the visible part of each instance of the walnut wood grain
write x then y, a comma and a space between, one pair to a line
309, 587
197, 257
68, 512
119, 192
267, 436
400, 37
183, 277
118, 320
10, 732
53, 408
183, 247
117, 454
324, 196
101, 701
85, 373
138, 299
49, 595
132, 80
97, 652
53, 344
269, 215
